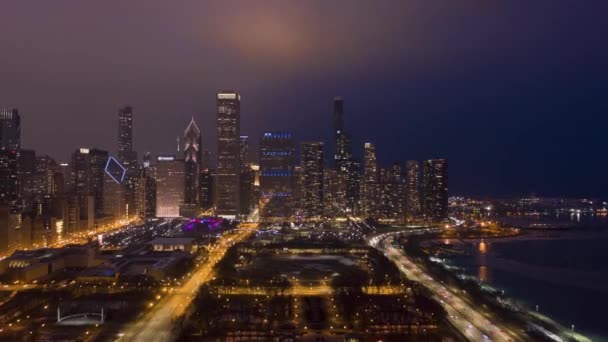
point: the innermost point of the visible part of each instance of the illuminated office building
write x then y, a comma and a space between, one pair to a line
228, 153
277, 163
192, 144
312, 179
170, 182
10, 129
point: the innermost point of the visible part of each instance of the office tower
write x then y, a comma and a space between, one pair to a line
81, 173
9, 179
10, 145
390, 200
412, 189
98, 159
298, 203
150, 193
312, 179
247, 179
435, 189
206, 160
370, 181
170, 182
66, 171
115, 204
10, 129
26, 171
126, 155
228, 153
352, 181
277, 162
147, 160
44, 175
192, 144
244, 151
205, 193
146, 194
333, 197
10, 230
347, 196
343, 146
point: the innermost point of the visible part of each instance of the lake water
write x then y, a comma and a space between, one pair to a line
566, 275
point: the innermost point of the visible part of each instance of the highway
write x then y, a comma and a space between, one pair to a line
157, 323
462, 315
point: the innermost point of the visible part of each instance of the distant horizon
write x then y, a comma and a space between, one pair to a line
512, 94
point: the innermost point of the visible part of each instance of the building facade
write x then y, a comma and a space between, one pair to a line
170, 181
277, 163
435, 189
312, 179
228, 153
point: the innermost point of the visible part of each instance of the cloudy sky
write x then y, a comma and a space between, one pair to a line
514, 93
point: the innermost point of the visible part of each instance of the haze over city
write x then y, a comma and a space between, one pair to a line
438, 78
311, 171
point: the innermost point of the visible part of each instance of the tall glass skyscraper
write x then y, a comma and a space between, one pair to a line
228, 153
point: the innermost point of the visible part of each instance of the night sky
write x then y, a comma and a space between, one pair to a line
513, 92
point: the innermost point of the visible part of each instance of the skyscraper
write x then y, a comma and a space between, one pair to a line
228, 153
370, 181
9, 179
312, 179
412, 189
10, 129
244, 150
277, 162
170, 181
342, 140
435, 189
347, 196
82, 176
126, 155
192, 144
10, 145
98, 159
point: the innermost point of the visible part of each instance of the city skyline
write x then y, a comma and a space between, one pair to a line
281, 170
517, 88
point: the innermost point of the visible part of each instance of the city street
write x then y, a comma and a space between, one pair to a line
157, 323
463, 316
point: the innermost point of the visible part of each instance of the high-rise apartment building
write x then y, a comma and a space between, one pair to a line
412, 189
435, 189
370, 181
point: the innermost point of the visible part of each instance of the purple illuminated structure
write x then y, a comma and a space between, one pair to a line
211, 223
115, 170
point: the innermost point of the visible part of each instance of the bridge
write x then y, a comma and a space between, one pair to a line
87, 318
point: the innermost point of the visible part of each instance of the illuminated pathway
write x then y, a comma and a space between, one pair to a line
157, 323
462, 315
